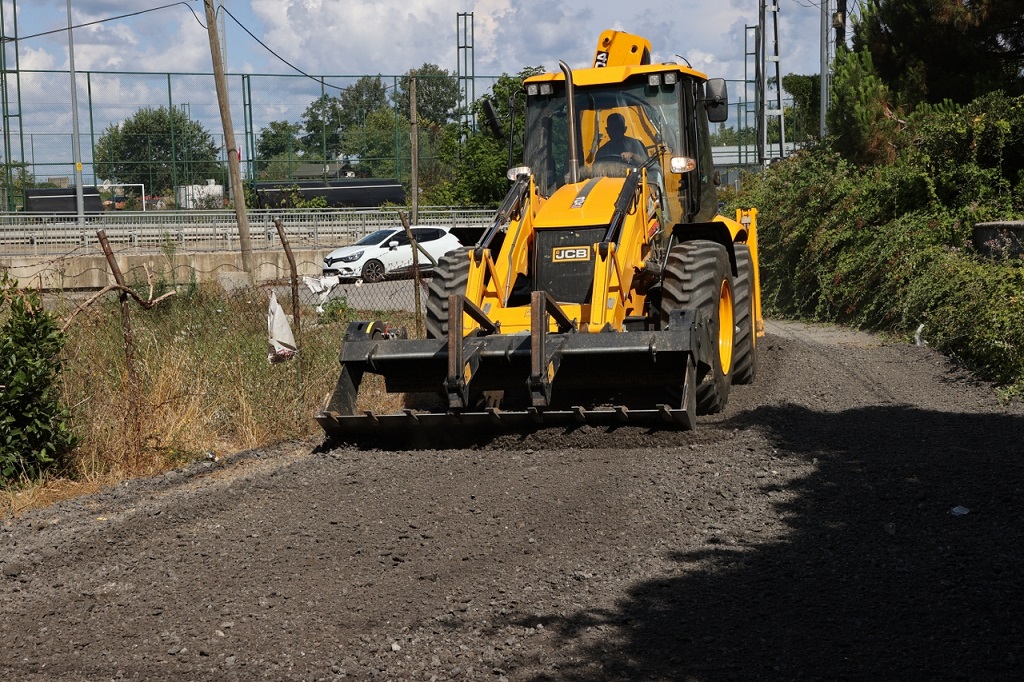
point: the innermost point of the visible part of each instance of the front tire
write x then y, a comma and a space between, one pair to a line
450, 277
745, 354
697, 275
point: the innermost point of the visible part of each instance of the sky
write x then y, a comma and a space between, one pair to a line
392, 36
356, 37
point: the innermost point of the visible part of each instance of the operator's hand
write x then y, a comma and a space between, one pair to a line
628, 157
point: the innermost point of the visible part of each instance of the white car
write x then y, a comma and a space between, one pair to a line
388, 252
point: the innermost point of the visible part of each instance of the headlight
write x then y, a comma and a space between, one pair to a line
348, 259
682, 164
514, 173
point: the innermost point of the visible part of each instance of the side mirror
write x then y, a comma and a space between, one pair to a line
492, 120
717, 100
392, 245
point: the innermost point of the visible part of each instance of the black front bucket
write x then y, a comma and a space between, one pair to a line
608, 378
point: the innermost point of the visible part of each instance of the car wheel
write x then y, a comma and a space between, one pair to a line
373, 271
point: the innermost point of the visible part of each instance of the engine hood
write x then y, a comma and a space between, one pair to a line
589, 202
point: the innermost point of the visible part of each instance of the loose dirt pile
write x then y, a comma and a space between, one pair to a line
855, 514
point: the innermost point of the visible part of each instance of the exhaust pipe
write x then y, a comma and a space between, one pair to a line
570, 100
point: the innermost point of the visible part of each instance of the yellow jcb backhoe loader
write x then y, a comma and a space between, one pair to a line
607, 290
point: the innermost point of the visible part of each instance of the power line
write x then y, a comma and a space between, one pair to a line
198, 20
103, 21
282, 59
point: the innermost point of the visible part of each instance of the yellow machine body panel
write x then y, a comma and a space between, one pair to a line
619, 47
587, 204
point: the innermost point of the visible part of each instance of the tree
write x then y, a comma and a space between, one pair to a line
374, 143
478, 164
359, 100
860, 116
934, 50
802, 122
725, 136
437, 94
279, 137
280, 167
160, 148
322, 124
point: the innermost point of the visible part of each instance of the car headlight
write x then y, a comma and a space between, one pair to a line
350, 258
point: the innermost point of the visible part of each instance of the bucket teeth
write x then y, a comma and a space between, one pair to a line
449, 423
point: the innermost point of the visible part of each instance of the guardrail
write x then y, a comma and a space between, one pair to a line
153, 231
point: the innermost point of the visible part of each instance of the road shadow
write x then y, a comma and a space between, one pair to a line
875, 578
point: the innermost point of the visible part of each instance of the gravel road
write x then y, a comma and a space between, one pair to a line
855, 514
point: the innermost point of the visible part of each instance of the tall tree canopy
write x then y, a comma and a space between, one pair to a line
934, 50
322, 124
437, 94
159, 148
481, 161
802, 122
279, 137
362, 98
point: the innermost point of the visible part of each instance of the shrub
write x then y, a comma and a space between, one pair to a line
35, 429
884, 246
337, 310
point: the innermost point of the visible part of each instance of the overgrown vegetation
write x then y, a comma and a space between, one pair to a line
198, 381
202, 380
873, 227
879, 234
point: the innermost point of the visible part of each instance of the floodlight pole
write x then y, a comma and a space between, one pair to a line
76, 144
826, 21
234, 166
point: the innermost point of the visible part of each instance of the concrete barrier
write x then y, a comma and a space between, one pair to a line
91, 271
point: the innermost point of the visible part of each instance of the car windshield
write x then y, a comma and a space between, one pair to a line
374, 238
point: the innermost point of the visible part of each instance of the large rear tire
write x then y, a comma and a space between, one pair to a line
450, 277
744, 369
697, 275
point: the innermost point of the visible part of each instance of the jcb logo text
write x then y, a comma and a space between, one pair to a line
565, 254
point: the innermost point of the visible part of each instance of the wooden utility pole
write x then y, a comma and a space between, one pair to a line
234, 167
414, 149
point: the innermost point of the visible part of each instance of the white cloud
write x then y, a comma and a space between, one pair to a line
354, 37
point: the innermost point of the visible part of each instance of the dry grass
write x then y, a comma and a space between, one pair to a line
46, 492
199, 381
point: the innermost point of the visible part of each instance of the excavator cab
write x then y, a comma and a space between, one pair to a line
657, 104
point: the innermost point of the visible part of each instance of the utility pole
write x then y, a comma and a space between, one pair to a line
76, 143
839, 24
234, 167
414, 148
826, 6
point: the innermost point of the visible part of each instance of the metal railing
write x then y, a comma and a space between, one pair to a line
152, 231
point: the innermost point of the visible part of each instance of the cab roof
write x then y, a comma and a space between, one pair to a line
614, 74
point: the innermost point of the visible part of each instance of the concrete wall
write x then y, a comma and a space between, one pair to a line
91, 272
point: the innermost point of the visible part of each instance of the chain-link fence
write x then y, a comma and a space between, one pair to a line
171, 167
39, 134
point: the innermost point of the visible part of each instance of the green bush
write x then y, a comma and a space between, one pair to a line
34, 427
887, 246
338, 310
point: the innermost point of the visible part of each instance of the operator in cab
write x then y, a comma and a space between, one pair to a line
619, 145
